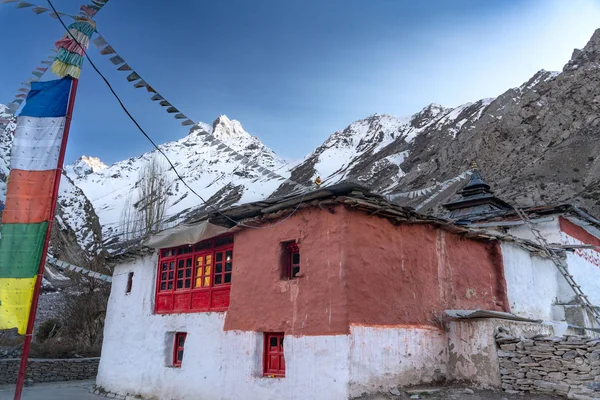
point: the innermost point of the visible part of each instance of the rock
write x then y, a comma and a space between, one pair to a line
524, 381
594, 386
533, 375
594, 355
468, 391
509, 347
552, 364
562, 387
555, 376
395, 392
570, 355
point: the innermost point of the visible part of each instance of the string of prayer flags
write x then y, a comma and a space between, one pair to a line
124, 67
99, 42
117, 60
24, 4
39, 10
37, 73
138, 82
90, 10
420, 192
107, 50
132, 77
72, 47
35, 8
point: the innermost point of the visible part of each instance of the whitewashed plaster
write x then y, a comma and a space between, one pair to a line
550, 230
137, 351
533, 283
385, 357
584, 265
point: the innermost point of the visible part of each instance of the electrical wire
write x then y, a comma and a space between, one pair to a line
237, 223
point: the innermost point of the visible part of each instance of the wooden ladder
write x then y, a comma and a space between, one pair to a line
560, 265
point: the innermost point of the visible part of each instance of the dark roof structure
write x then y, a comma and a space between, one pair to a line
475, 200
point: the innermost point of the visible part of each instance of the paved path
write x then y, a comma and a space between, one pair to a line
73, 390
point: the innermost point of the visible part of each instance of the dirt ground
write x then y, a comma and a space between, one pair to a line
456, 393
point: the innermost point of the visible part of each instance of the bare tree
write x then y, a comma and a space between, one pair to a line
145, 214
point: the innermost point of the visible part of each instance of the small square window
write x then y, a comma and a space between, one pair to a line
291, 260
273, 358
178, 348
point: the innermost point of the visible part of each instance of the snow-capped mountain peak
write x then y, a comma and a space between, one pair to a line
427, 114
85, 165
223, 160
229, 130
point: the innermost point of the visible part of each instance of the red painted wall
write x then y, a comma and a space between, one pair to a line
314, 304
578, 233
358, 269
410, 274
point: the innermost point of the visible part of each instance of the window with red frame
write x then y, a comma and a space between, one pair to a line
178, 348
195, 278
273, 359
292, 260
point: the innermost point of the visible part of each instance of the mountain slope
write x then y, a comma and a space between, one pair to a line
201, 160
536, 144
373, 151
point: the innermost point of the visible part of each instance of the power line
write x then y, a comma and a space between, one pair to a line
152, 141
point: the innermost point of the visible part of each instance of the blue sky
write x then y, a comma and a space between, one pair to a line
293, 72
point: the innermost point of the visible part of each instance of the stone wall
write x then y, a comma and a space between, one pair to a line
40, 370
568, 365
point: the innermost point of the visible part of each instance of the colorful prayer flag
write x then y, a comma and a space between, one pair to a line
72, 48
33, 161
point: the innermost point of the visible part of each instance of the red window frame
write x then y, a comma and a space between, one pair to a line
195, 278
178, 348
292, 260
273, 357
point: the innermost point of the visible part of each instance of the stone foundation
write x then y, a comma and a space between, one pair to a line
568, 365
41, 370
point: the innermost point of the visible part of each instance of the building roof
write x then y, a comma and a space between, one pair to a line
357, 197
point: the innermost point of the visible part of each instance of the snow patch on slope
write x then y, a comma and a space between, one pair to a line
202, 161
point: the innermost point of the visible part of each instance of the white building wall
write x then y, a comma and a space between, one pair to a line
137, 354
533, 283
385, 357
584, 265
138, 345
550, 229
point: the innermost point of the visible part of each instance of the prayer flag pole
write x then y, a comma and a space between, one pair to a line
45, 120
